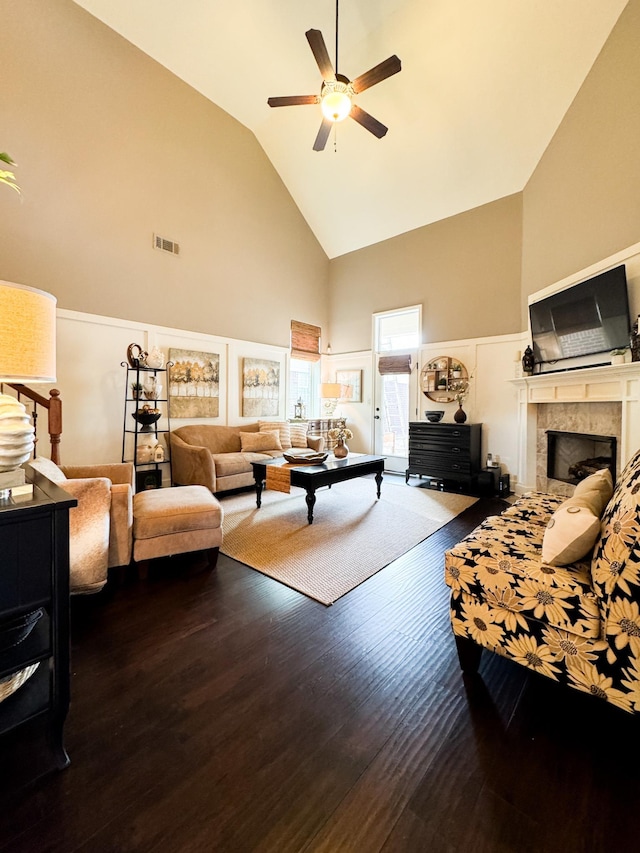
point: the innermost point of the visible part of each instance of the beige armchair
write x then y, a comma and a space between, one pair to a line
101, 525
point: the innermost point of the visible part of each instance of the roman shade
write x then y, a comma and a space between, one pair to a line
394, 364
305, 341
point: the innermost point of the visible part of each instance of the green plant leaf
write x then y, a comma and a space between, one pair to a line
7, 177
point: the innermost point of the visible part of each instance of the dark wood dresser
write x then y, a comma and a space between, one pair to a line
445, 452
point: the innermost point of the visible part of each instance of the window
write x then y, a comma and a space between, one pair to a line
304, 378
304, 369
397, 330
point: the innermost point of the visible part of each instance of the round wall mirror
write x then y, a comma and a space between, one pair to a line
442, 377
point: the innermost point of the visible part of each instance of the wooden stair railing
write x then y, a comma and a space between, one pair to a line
53, 405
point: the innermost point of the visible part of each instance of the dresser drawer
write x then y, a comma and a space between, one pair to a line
436, 445
440, 433
440, 465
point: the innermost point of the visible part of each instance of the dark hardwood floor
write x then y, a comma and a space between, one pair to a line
225, 712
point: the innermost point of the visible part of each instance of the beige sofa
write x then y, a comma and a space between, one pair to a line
220, 457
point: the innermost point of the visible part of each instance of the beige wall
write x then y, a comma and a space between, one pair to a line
582, 203
464, 270
111, 148
473, 272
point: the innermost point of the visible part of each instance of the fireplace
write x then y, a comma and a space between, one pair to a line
572, 456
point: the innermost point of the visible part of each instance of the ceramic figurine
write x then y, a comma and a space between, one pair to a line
136, 355
155, 358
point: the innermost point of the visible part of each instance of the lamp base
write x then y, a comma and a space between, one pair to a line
13, 480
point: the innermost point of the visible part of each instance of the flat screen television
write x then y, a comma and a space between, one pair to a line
578, 326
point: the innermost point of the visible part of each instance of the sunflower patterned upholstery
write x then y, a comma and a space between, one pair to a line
578, 624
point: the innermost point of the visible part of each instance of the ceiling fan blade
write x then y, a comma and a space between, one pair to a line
376, 74
319, 48
368, 121
323, 135
293, 100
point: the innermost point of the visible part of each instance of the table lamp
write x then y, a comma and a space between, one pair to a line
330, 393
27, 354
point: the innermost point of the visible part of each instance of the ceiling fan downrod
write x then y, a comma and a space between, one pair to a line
337, 37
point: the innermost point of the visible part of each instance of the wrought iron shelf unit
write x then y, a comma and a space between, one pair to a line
149, 472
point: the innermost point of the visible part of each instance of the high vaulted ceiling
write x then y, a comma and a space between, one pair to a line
483, 88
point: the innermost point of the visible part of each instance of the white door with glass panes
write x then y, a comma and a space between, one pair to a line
396, 339
395, 404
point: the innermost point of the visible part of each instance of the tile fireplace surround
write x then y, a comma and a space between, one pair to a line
600, 400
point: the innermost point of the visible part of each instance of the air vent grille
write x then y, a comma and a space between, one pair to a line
166, 245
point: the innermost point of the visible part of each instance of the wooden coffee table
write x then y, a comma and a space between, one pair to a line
312, 477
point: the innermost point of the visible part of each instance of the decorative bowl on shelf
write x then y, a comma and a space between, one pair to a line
146, 416
434, 417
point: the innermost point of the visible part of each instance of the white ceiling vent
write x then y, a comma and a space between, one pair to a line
166, 245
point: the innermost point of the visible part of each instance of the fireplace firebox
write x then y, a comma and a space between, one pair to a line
572, 456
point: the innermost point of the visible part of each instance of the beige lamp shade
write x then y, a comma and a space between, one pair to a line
330, 393
27, 334
330, 390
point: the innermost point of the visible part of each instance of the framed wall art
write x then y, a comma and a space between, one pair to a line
194, 384
351, 381
260, 388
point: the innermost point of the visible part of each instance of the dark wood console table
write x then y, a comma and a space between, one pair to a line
34, 544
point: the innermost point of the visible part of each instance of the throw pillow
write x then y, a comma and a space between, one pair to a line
48, 468
596, 489
282, 427
259, 441
298, 434
571, 533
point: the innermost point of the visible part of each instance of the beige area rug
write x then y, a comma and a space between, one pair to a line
352, 537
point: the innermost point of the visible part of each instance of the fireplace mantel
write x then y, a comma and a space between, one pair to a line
609, 383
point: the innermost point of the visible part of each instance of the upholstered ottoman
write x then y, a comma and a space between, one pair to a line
174, 521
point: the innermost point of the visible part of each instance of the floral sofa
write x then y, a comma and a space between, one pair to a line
576, 622
219, 457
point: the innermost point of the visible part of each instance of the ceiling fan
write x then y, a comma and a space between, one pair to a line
337, 91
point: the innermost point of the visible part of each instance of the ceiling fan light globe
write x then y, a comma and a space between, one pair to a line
336, 106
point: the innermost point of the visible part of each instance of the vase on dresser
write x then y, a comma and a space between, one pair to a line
460, 415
